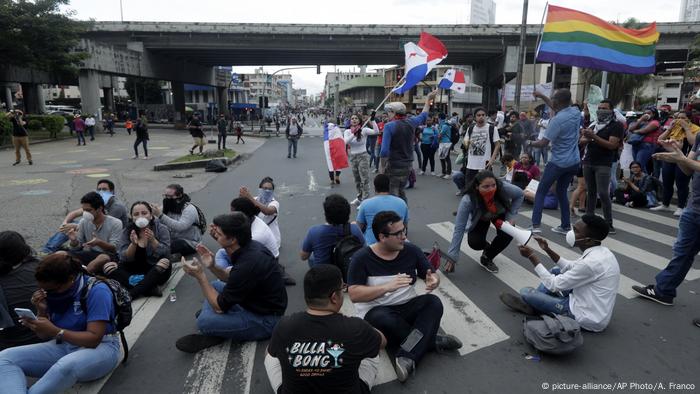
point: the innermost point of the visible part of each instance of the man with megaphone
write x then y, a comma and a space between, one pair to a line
583, 289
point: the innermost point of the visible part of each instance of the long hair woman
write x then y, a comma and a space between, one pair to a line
355, 138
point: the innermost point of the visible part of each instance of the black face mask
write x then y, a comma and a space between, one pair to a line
173, 205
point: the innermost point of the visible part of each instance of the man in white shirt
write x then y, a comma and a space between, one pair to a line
90, 124
482, 144
584, 289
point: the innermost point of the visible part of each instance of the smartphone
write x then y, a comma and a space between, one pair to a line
411, 340
25, 313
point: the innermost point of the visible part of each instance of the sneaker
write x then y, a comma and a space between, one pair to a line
560, 230
648, 292
696, 322
446, 177
135, 157
628, 204
611, 230
31, 163
15, 163
516, 303
356, 201
677, 212
404, 367
145, 157
195, 342
488, 264
661, 208
535, 229
447, 343
433, 174
459, 193
288, 156
420, 173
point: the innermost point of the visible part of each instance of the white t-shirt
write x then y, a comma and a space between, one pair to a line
594, 278
480, 147
273, 221
500, 119
359, 147
261, 233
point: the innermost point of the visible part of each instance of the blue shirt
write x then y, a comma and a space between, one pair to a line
321, 239
563, 134
370, 207
390, 128
445, 132
99, 305
428, 135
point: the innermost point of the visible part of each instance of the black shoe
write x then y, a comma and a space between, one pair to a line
516, 303
195, 342
15, 163
31, 162
649, 292
697, 322
289, 156
288, 280
447, 343
488, 264
611, 230
155, 292
191, 151
404, 368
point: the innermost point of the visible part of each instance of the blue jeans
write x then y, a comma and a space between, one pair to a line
56, 241
416, 148
292, 144
459, 179
685, 249
642, 153
58, 366
369, 145
562, 176
540, 152
613, 177
237, 323
673, 174
545, 301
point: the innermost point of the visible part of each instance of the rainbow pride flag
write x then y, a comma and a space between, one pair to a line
578, 39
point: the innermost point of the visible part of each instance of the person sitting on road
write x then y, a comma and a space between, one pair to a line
331, 334
637, 191
96, 240
17, 284
320, 240
584, 289
113, 207
144, 254
382, 201
525, 170
182, 218
81, 346
252, 300
380, 284
487, 200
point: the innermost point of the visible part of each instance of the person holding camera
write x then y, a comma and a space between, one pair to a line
20, 137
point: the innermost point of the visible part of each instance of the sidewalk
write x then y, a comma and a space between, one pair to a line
34, 199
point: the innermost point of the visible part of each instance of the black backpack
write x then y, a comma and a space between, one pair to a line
201, 220
454, 133
215, 165
122, 306
344, 249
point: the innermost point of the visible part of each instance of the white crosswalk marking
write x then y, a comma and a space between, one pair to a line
207, 372
642, 214
648, 258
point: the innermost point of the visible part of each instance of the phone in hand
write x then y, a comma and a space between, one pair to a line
25, 313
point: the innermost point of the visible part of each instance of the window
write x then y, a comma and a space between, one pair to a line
673, 85
671, 100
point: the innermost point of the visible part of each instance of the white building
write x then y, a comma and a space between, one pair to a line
665, 87
690, 11
481, 12
53, 92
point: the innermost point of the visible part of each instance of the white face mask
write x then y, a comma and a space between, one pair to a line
141, 222
88, 216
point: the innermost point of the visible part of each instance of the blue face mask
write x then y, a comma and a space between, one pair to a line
105, 195
266, 195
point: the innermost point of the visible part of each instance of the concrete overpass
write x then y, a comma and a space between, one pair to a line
187, 52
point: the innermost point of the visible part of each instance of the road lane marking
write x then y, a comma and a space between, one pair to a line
642, 214
208, 368
313, 186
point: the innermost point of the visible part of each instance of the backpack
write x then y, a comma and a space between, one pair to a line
201, 220
344, 249
555, 334
454, 133
122, 306
215, 165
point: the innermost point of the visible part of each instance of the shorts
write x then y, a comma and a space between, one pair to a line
198, 141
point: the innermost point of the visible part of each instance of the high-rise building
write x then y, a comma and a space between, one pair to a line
690, 11
481, 12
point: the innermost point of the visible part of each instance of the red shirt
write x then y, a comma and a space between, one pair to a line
533, 172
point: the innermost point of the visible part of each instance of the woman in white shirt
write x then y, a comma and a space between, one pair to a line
359, 158
268, 205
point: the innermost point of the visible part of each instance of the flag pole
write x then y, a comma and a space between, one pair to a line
385, 98
537, 47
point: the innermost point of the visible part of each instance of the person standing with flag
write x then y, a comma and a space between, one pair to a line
335, 150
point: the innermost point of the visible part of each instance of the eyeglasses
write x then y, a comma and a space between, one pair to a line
399, 233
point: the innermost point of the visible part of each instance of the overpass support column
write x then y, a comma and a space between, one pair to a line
179, 103
108, 94
33, 97
222, 98
89, 92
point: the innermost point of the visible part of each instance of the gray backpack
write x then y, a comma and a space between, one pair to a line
555, 334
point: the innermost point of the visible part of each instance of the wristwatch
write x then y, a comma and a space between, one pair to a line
59, 337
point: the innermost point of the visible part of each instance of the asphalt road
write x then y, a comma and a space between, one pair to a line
646, 347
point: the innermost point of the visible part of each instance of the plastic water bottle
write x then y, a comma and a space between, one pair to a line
173, 296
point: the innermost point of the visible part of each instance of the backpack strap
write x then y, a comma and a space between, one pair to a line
90, 283
561, 328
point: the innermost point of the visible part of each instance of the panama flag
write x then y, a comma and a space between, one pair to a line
453, 80
420, 59
334, 147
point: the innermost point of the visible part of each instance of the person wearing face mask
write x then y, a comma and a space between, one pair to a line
583, 289
649, 126
267, 204
359, 158
96, 240
487, 199
181, 217
113, 207
144, 250
80, 343
601, 142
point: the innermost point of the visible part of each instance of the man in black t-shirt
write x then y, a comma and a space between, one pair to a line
20, 137
380, 283
320, 350
601, 143
195, 127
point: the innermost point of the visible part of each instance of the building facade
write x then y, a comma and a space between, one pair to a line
481, 12
690, 11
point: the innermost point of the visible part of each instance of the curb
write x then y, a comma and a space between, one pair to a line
193, 164
37, 142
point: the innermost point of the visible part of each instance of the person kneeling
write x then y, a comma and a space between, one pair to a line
253, 299
143, 255
583, 289
321, 350
380, 283
82, 345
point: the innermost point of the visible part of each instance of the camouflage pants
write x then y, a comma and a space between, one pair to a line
360, 171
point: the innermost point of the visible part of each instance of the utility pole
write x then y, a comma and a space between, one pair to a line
521, 57
121, 10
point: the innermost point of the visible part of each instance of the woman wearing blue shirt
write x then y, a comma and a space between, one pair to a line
82, 345
428, 146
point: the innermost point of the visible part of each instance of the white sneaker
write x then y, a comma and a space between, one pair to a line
356, 201
433, 174
660, 208
678, 212
459, 193
421, 173
446, 177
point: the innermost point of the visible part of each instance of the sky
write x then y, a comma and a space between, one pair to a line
355, 12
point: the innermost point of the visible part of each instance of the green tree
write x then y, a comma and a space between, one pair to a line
692, 67
148, 91
38, 34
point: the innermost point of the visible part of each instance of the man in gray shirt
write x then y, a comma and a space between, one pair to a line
96, 240
182, 218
